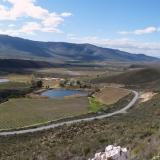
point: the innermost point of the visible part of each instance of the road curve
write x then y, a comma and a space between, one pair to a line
32, 130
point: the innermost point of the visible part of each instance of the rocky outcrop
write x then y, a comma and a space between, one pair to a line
112, 153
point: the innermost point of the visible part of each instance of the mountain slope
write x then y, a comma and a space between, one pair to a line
23, 64
14, 47
142, 78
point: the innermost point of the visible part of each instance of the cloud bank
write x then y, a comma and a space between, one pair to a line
132, 46
147, 30
42, 19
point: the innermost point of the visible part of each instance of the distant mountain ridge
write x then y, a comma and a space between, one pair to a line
19, 48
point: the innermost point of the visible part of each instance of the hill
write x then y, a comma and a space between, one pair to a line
62, 52
146, 77
23, 64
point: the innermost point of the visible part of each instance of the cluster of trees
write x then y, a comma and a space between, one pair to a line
75, 83
5, 94
36, 84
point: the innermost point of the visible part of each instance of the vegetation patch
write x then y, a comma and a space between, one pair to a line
14, 85
23, 112
94, 106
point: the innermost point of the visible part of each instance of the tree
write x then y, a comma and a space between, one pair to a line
39, 84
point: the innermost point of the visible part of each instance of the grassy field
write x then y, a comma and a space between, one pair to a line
111, 95
25, 112
14, 85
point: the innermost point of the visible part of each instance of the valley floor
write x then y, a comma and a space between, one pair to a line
139, 129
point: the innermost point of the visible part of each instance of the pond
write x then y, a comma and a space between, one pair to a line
61, 93
3, 80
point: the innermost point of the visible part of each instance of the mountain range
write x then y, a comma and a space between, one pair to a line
19, 48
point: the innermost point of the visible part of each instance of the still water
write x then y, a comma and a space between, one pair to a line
2, 80
61, 93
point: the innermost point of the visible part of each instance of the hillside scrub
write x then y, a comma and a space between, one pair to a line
147, 78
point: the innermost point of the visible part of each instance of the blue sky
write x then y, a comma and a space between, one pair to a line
129, 25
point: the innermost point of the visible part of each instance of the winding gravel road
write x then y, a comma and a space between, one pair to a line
32, 130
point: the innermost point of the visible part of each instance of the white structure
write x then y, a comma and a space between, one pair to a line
112, 153
50, 79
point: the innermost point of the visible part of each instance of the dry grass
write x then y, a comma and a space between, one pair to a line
111, 95
24, 112
21, 78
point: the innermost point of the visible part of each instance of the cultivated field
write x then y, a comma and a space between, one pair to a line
14, 85
111, 95
21, 78
24, 112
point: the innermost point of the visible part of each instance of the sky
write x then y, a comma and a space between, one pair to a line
128, 25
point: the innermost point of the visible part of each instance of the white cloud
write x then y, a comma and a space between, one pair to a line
11, 25
9, 32
66, 14
146, 30
132, 46
53, 20
29, 28
48, 21
22, 8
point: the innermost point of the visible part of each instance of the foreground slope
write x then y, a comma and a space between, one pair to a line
60, 51
138, 130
